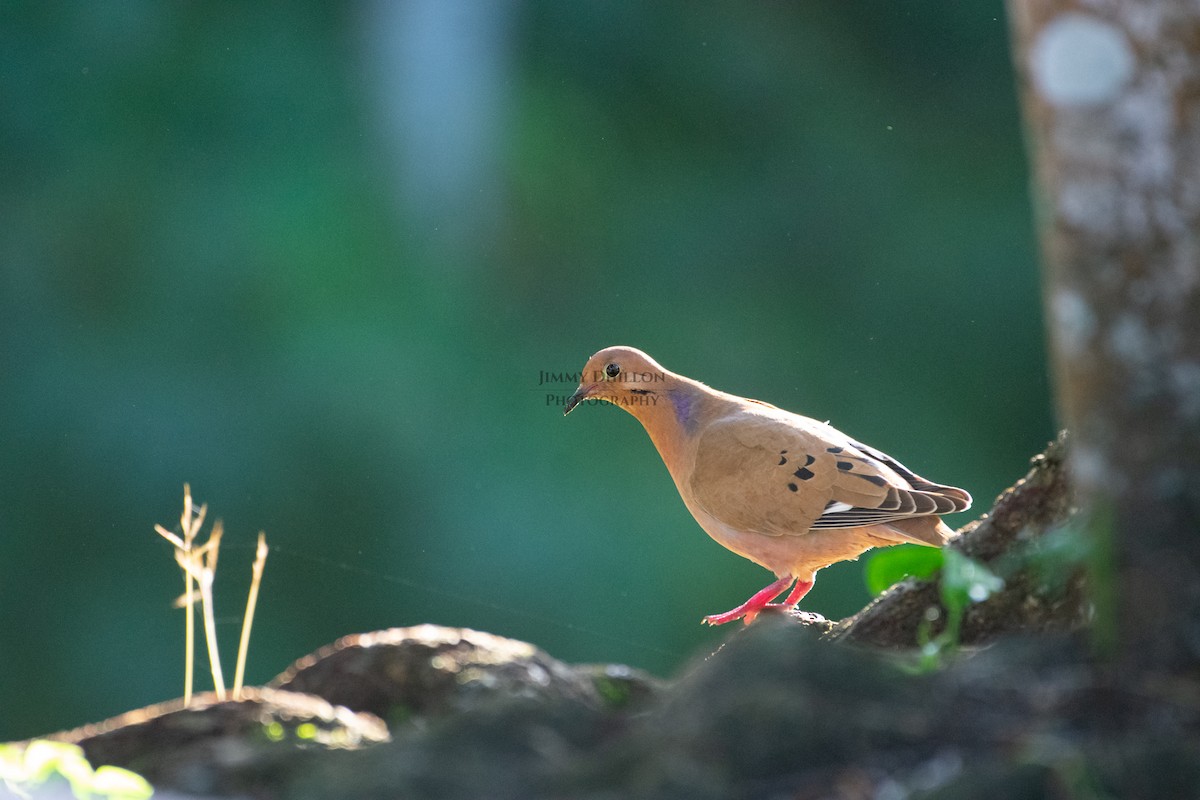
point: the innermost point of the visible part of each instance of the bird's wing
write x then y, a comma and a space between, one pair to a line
781, 474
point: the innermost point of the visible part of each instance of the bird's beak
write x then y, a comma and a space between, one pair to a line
580, 394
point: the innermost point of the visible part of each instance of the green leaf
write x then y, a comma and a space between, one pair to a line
41, 761
887, 567
966, 581
11, 762
121, 784
45, 758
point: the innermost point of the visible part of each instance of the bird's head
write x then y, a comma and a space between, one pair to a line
623, 376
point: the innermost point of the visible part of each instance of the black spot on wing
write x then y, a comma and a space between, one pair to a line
808, 460
834, 450
803, 473
845, 466
793, 487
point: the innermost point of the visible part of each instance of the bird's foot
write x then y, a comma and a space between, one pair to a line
749, 609
761, 601
730, 616
749, 615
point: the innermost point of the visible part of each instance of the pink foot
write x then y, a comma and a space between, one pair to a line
788, 605
749, 609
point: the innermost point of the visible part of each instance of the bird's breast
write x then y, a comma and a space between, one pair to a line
775, 553
798, 554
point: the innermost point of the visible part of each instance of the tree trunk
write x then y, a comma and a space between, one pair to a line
1111, 97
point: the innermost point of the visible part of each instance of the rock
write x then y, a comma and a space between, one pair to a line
221, 747
467, 709
408, 675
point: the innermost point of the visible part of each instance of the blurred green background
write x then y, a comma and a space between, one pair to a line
315, 259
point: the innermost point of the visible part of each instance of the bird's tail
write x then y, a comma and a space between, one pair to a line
927, 530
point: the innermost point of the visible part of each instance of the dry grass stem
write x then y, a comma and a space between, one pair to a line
260, 561
190, 522
199, 565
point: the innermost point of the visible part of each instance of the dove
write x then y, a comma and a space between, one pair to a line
790, 493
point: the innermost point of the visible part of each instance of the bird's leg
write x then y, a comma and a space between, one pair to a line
794, 596
755, 604
797, 594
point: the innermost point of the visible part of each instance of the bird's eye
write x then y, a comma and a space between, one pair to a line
612, 370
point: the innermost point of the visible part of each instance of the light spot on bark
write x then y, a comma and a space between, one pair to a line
1131, 341
1074, 322
1080, 60
1090, 204
1088, 467
1144, 120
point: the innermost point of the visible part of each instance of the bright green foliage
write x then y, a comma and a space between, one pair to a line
115, 782
888, 567
966, 581
23, 768
963, 581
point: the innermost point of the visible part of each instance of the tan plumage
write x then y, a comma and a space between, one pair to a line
787, 492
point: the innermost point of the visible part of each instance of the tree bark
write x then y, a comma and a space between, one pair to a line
1111, 98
